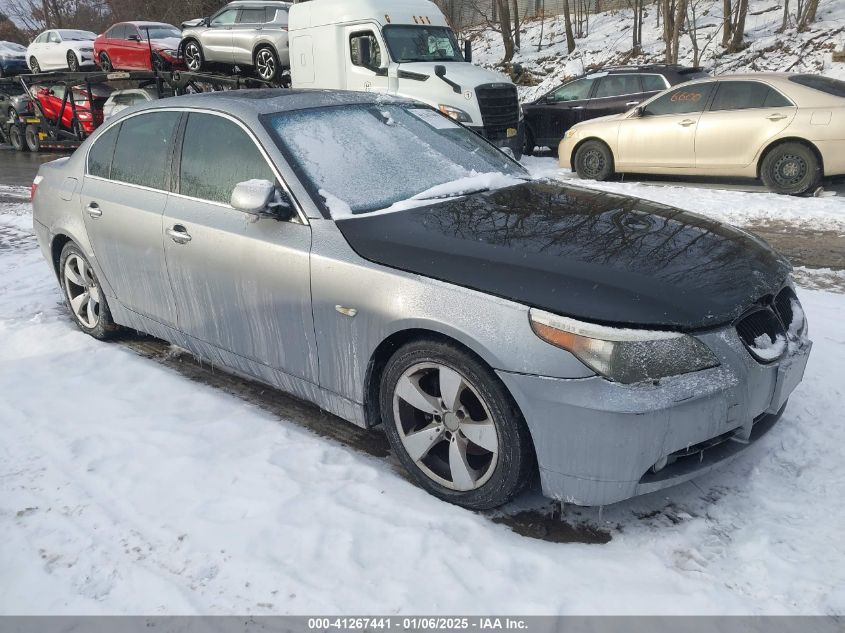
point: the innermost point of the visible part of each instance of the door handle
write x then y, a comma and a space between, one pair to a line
178, 234
776, 117
686, 122
632, 103
577, 108
94, 210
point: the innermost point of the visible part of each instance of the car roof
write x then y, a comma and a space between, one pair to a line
256, 102
144, 23
275, 3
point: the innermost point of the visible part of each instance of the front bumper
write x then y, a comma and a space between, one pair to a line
14, 66
564, 153
596, 441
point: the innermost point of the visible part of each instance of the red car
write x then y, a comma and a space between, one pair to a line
50, 102
138, 46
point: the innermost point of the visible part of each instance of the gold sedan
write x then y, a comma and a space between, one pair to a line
787, 129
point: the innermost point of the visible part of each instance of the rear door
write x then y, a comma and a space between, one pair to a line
123, 196
664, 136
53, 55
245, 32
241, 282
615, 93
742, 117
217, 38
559, 110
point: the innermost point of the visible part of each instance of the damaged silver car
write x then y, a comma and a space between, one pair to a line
376, 258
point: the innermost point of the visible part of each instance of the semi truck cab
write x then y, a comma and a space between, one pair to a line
404, 48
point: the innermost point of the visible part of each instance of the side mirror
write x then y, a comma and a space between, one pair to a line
253, 196
639, 111
134, 38
467, 51
440, 70
365, 53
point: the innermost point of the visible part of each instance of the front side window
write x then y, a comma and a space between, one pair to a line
132, 32
226, 17
574, 91
101, 153
252, 15
684, 100
355, 49
617, 85
117, 32
160, 32
653, 83
371, 156
745, 95
142, 152
408, 43
202, 173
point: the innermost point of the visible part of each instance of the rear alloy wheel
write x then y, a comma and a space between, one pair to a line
593, 161
454, 426
266, 63
105, 63
790, 168
193, 56
72, 62
33, 142
16, 138
33, 64
83, 294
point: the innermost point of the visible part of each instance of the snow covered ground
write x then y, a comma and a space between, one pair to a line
608, 42
127, 488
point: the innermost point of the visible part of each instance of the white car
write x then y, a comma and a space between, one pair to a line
119, 100
61, 49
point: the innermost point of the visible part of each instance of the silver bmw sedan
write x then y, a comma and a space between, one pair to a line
376, 258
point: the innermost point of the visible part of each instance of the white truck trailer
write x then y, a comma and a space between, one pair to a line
404, 48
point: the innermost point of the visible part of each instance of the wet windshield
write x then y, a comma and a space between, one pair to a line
11, 47
422, 44
366, 157
75, 36
160, 32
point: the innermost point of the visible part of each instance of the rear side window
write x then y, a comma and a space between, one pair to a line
252, 15
830, 86
117, 32
616, 85
684, 100
277, 15
101, 153
142, 153
653, 83
202, 174
745, 95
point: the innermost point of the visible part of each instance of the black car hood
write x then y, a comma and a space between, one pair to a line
581, 253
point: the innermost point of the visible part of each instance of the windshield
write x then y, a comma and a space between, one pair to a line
422, 44
77, 35
159, 32
367, 157
831, 86
11, 47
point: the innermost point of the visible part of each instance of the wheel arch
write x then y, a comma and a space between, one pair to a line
56, 246
265, 44
388, 346
789, 139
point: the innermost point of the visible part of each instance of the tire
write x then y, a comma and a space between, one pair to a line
33, 143
594, 161
158, 64
529, 145
16, 139
494, 474
105, 63
13, 114
34, 66
266, 63
72, 62
78, 279
790, 168
194, 58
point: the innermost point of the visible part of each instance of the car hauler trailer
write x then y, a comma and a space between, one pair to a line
36, 129
405, 48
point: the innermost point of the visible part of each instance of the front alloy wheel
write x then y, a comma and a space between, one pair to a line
266, 64
72, 62
105, 63
193, 56
454, 426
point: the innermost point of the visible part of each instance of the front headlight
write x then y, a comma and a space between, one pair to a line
621, 354
455, 113
170, 52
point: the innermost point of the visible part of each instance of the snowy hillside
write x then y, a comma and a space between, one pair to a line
609, 43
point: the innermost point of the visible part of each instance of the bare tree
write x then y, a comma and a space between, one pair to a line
674, 16
637, 31
567, 21
700, 42
738, 27
807, 14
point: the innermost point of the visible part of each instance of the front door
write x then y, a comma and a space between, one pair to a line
743, 116
559, 110
123, 197
664, 135
241, 282
217, 38
362, 75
